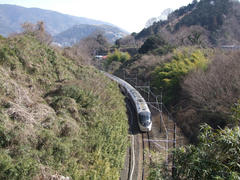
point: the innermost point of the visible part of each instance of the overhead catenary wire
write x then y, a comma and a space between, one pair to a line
160, 107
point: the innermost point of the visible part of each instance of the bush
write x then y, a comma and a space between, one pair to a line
4, 137
22, 168
207, 96
215, 157
217, 88
67, 119
157, 45
118, 56
169, 75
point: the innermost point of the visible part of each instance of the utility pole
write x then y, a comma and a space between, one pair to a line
174, 146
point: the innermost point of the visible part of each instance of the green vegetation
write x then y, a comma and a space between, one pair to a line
208, 96
216, 156
57, 116
169, 75
200, 85
209, 14
156, 45
117, 56
115, 60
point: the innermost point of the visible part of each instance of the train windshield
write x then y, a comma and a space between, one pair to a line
145, 118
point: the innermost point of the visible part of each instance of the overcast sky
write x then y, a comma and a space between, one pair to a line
130, 15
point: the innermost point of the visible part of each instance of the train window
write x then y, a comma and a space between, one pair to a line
145, 118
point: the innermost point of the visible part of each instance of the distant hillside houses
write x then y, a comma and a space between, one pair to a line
230, 47
100, 57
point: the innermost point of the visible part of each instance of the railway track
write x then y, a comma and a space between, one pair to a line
162, 135
139, 120
129, 171
146, 152
132, 149
138, 152
138, 158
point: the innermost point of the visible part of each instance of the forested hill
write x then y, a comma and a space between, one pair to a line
216, 21
78, 32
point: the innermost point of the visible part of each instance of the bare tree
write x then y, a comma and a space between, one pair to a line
38, 30
87, 48
218, 88
150, 22
28, 27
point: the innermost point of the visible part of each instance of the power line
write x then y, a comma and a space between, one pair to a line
156, 102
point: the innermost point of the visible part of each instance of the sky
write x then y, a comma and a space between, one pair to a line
130, 15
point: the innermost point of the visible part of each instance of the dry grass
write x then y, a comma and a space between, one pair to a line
57, 117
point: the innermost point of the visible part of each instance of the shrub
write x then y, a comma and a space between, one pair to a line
169, 75
83, 98
118, 56
73, 117
217, 88
22, 168
2, 38
215, 157
4, 137
207, 96
157, 45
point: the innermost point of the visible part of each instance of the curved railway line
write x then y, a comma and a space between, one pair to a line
159, 135
137, 154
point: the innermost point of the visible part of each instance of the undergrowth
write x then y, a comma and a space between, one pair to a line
57, 117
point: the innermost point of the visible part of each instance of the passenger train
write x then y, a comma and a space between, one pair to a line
140, 105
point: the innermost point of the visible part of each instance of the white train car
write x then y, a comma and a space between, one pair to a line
140, 105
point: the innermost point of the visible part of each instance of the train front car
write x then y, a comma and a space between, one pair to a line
145, 121
140, 105
143, 112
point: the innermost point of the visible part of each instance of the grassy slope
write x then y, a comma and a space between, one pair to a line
56, 116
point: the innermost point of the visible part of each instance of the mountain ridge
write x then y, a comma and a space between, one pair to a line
78, 32
12, 16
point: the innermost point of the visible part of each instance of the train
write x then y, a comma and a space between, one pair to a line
144, 117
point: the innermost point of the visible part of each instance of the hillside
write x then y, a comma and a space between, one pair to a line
57, 116
78, 32
11, 18
181, 58
207, 22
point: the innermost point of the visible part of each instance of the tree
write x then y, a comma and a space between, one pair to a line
127, 41
95, 44
28, 27
152, 43
118, 56
217, 88
169, 75
150, 22
206, 14
37, 30
215, 157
